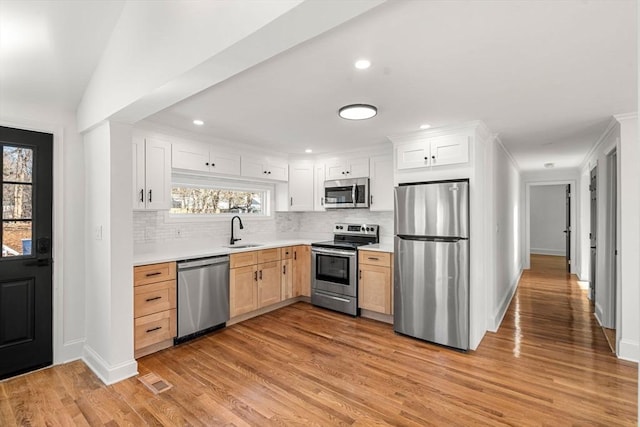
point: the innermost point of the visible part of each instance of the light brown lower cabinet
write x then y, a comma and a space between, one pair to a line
287, 279
154, 310
243, 290
269, 284
302, 270
375, 283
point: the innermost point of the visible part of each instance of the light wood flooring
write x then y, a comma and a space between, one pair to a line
548, 365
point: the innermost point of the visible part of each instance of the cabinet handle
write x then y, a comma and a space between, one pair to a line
206, 164
371, 199
142, 195
150, 196
294, 255
426, 158
347, 172
373, 259
433, 158
154, 329
255, 276
360, 278
321, 201
155, 273
269, 173
291, 202
153, 299
213, 165
264, 171
284, 269
260, 274
342, 172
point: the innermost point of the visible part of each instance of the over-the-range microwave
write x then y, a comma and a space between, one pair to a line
346, 193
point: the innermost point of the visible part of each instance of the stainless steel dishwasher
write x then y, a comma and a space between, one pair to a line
203, 296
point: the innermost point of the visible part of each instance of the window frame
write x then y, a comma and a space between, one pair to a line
203, 181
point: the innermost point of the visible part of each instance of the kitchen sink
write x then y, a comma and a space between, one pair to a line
248, 245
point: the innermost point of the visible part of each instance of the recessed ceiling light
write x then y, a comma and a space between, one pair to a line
549, 165
363, 64
357, 111
198, 122
308, 150
425, 126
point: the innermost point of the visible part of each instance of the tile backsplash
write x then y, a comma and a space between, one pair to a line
155, 227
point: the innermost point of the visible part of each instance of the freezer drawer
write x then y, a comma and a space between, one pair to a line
431, 290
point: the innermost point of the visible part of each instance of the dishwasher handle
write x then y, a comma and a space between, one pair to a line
202, 262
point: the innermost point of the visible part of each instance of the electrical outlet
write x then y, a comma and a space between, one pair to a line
178, 233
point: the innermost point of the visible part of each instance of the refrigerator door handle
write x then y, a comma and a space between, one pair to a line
431, 238
354, 195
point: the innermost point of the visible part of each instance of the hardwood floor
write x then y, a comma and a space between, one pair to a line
548, 365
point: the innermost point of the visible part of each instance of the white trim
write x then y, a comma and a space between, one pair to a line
507, 153
598, 143
108, 374
628, 350
597, 312
626, 116
501, 310
60, 355
545, 251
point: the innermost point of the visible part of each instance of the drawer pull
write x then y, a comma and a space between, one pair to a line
154, 329
153, 299
284, 269
373, 259
255, 276
155, 273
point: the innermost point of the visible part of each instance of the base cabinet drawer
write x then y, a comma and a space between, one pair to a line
152, 273
149, 299
155, 328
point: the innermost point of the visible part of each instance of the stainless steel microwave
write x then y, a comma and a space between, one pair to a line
346, 193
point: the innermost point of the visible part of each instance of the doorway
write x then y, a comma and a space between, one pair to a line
550, 221
593, 231
26, 289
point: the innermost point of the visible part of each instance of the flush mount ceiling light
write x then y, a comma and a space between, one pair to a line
549, 165
362, 64
425, 126
357, 111
308, 150
198, 122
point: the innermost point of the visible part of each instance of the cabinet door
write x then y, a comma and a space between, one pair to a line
138, 193
449, 150
194, 157
374, 288
253, 168
358, 168
269, 283
381, 183
335, 169
287, 279
301, 187
243, 290
277, 171
225, 163
302, 271
413, 155
318, 188
158, 174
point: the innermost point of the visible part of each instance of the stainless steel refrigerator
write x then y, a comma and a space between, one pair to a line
431, 279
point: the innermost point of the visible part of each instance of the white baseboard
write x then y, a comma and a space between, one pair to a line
107, 373
70, 351
597, 313
629, 350
544, 251
494, 323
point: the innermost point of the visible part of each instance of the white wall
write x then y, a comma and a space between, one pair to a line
548, 220
506, 232
109, 253
68, 218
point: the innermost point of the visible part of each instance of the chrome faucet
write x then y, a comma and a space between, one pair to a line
232, 241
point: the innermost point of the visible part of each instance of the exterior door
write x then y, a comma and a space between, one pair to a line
26, 260
567, 229
592, 232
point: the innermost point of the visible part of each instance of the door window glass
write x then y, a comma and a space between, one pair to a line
17, 201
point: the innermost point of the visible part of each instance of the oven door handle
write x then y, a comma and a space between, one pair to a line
354, 195
332, 252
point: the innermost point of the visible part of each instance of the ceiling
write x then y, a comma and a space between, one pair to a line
49, 49
546, 76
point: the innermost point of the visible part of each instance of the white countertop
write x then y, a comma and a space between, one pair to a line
379, 247
189, 249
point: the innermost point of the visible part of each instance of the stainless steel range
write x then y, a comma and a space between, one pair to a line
334, 268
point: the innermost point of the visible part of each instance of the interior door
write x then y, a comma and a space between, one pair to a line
567, 229
592, 232
26, 260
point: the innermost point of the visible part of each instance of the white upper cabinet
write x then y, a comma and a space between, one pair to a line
381, 183
264, 168
318, 188
151, 174
347, 168
301, 186
434, 151
202, 158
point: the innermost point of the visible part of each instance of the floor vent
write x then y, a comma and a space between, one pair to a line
155, 383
